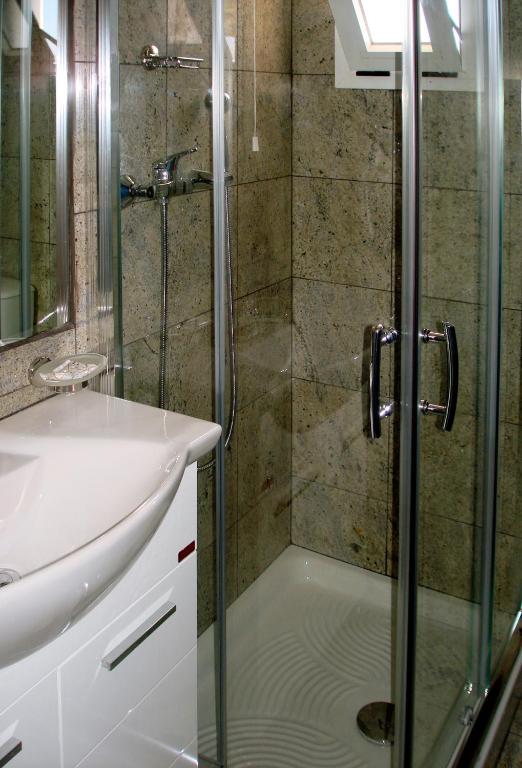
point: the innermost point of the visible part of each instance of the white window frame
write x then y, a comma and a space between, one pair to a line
352, 55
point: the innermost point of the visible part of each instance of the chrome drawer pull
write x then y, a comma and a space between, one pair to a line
137, 637
381, 337
449, 338
9, 750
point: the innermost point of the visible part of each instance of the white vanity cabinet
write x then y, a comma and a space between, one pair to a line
117, 689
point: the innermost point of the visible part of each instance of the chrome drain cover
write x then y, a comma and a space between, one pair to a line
7, 576
376, 722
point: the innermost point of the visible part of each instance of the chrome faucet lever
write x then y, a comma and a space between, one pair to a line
172, 161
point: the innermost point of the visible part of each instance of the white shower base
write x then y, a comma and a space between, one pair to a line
309, 644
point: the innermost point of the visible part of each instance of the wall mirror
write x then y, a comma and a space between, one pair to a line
35, 274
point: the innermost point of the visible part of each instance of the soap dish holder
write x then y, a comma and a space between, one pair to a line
66, 374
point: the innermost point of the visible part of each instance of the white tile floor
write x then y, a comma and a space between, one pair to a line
309, 643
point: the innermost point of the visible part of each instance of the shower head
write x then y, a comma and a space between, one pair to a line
209, 98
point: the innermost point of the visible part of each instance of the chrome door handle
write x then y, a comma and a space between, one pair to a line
137, 637
449, 337
9, 750
381, 337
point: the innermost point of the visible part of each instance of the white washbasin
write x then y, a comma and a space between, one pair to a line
85, 480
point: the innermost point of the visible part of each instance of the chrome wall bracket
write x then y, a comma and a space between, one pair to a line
448, 411
151, 59
381, 337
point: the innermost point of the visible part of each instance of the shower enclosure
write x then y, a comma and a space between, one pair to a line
359, 538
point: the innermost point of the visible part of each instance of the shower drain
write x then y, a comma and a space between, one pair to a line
376, 722
7, 576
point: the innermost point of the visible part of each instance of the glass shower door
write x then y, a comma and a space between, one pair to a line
449, 340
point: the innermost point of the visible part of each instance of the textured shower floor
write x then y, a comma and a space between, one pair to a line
309, 643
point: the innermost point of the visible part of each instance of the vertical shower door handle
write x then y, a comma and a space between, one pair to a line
381, 337
448, 411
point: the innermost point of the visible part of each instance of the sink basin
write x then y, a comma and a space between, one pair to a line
85, 480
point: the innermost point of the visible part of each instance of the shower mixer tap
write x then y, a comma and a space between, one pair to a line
167, 179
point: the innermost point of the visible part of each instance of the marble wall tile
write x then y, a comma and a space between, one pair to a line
273, 43
449, 556
190, 254
452, 456
264, 336
189, 31
141, 370
330, 444
467, 321
264, 433
508, 556
141, 22
207, 580
343, 231
263, 533
341, 133
84, 140
452, 244
512, 137
332, 328
450, 139
274, 126
141, 270
339, 524
189, 120
84, 30
512, 266
264, 234
313, 45
510, 480
142, 120
511, 367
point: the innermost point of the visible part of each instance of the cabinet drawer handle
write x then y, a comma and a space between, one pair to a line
137, 637
9, 750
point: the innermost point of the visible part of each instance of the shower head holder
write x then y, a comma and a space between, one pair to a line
151, 59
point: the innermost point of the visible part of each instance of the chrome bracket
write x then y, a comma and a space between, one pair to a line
151, 60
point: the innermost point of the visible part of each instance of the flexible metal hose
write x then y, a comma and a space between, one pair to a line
164, 203
231, 336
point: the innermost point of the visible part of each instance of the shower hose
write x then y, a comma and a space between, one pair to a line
231, 320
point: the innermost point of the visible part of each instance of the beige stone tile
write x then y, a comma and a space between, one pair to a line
189, 31
189, 120
273, 30
452, 244
207, 496
512, 137
40, 200
264, 433
332, 331
263, 533
343, 231
22, 398
207, 579
142, 120
450, 139
86, 255
190, 367
330, 444
511, 367
339, 524
84, 140
467, 321
511, 755
141, 270
42, 122
84, 30
274, 126
10, 197
353, 142
141, 370
141, 22
313, 38
264, 333
264, 234
15, 361
512, 28
450, 469
449, 556
512, 265
508, 556
510, 480
191, 258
